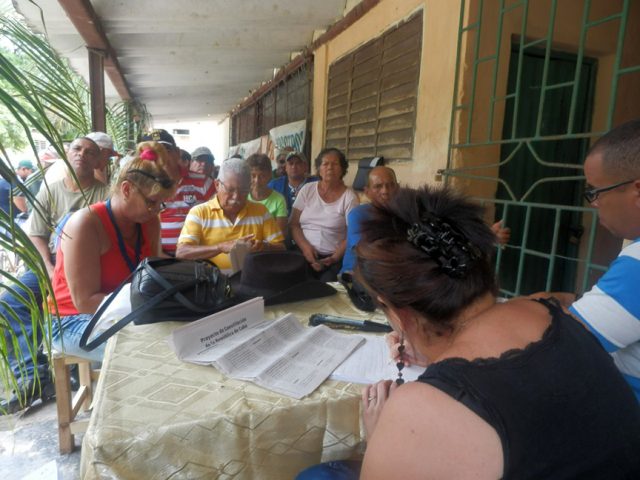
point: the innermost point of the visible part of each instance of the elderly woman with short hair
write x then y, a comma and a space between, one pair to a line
319, 217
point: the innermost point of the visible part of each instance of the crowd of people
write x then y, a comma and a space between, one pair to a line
536, 387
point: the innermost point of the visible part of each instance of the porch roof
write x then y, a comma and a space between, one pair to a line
186, 59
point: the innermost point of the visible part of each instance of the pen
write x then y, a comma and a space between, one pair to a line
348, 323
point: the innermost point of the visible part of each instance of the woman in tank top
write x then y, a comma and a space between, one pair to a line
511, 390
102, 244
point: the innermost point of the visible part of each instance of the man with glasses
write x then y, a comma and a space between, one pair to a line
58, 200
212, 229
611, 309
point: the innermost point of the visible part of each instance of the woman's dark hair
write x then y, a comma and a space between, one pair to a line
259, 161
429, 249
343, 160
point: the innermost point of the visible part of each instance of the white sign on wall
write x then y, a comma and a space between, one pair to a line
289, 135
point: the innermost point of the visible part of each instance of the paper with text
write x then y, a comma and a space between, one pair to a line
281, 355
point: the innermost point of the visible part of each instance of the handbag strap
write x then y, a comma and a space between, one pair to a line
120, 324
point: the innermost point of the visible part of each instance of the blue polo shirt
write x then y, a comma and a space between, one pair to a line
354, 222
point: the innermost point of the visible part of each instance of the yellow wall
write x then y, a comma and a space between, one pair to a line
433, 117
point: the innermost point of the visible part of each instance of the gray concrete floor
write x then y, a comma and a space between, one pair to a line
29, 446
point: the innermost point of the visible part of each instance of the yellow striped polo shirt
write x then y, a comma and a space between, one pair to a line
206, 225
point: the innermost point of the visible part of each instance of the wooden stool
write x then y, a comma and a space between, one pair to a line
68, 406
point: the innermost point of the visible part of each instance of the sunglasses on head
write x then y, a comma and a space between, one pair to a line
164, 182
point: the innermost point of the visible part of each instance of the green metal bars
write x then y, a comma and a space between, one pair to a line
524, 110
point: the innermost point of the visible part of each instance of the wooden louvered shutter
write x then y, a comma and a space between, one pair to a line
372, 95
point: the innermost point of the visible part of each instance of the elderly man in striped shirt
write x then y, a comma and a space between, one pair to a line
213, 228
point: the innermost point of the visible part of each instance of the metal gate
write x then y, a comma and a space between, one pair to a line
536, 81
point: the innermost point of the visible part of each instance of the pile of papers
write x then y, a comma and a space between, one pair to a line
281, 355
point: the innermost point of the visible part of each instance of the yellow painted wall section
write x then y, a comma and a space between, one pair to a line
435, 91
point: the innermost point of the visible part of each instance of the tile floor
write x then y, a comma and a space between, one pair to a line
29, 446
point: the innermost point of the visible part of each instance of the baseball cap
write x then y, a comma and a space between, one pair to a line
293, 154
101, 139
26, 164
202, 152
158, 135
48, 155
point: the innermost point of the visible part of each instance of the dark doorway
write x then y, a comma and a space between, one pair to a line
528, 247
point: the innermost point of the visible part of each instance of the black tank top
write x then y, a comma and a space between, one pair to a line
560, 406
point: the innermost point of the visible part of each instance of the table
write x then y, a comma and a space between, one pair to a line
155, 417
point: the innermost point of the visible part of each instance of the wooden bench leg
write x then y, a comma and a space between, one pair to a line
84, 372
63, 404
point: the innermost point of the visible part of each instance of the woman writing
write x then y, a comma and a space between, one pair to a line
102, 244
318, 220
512, 390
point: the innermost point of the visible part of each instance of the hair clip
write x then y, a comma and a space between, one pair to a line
148, 154
444, 244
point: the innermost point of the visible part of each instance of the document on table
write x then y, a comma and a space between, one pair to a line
281, 355
371, 363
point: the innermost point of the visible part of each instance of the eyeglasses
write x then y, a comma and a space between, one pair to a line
233, 191
151, 204
591, 195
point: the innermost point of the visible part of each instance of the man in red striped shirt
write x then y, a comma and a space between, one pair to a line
193, 189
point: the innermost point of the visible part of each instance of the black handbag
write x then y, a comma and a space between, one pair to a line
167, 289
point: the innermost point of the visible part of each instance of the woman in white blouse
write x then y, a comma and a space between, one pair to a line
319, 218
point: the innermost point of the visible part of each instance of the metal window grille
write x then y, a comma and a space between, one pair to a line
536, 81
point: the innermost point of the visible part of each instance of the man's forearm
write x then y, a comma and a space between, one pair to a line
274, 246
196, 252
342, 246
20, 203
42, 245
